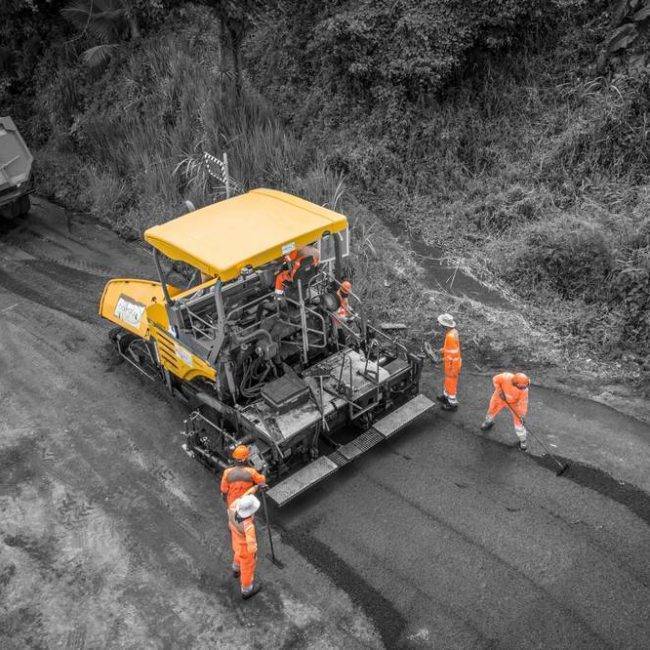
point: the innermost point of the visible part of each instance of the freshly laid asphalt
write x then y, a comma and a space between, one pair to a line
441, 537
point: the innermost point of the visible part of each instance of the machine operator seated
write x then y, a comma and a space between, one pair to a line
299, 265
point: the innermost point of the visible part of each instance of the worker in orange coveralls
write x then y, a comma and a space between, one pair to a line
510, 389
343, 313
452, 362
237, 480
343, 294
293, 262
244, 541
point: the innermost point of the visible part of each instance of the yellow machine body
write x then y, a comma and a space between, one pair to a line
138, 306
220, 241
256, 345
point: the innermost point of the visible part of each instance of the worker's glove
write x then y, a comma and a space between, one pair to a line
262, 487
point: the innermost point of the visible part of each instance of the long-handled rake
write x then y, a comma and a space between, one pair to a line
271, 555
562, 467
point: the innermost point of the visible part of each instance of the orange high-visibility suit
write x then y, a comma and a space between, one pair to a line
237, 480
452, 363
244, 545
295, 260
516, 397
343, 312
281, 280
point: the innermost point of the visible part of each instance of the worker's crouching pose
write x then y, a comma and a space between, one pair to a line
244, 541
452, 362
510, 390
237, 480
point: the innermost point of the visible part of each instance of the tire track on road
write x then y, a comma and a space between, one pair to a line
390, 622
561, 607
26, 291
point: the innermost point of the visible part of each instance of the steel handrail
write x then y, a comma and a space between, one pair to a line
395, 342
193, 316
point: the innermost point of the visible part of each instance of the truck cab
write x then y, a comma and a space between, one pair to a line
16, 181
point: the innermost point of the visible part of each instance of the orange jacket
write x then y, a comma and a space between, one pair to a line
295, 260
237, 480
450, 352
281, 280
343, 312
243, 531
517, 398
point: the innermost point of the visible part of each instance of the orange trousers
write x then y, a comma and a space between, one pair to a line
451, 385
452, 373
497, 403
243, 559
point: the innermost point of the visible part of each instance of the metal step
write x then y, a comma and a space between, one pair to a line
304, 478
359, 445
405, 414
324, 466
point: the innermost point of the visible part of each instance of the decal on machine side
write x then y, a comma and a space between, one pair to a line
183, 354
129, 310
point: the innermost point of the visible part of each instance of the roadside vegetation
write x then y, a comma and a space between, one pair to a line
514, 134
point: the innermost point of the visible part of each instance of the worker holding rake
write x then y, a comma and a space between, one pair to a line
510, 391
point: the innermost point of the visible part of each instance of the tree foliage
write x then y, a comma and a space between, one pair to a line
395, 50
107, 23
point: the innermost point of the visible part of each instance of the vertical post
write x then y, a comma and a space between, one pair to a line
338, 257
303, 325
219, 332
226, 174
322, 403
161, 276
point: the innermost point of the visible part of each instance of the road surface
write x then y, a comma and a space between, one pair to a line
110, 536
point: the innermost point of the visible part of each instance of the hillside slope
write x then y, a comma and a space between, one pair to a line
512, 134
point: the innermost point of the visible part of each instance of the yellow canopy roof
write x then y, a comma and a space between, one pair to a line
250, 229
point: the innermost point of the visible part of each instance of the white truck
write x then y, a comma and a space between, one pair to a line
16, 181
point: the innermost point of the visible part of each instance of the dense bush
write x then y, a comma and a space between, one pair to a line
393, 51
571, 256
629, 289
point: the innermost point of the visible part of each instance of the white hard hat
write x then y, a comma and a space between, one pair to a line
446, 320
248, 505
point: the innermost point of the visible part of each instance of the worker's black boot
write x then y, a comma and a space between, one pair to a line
523, 446
252, 591
446, 405
487, 425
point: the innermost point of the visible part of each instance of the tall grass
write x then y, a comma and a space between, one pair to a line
539, 175
144, 123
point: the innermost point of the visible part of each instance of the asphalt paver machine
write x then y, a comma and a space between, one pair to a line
306, 391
